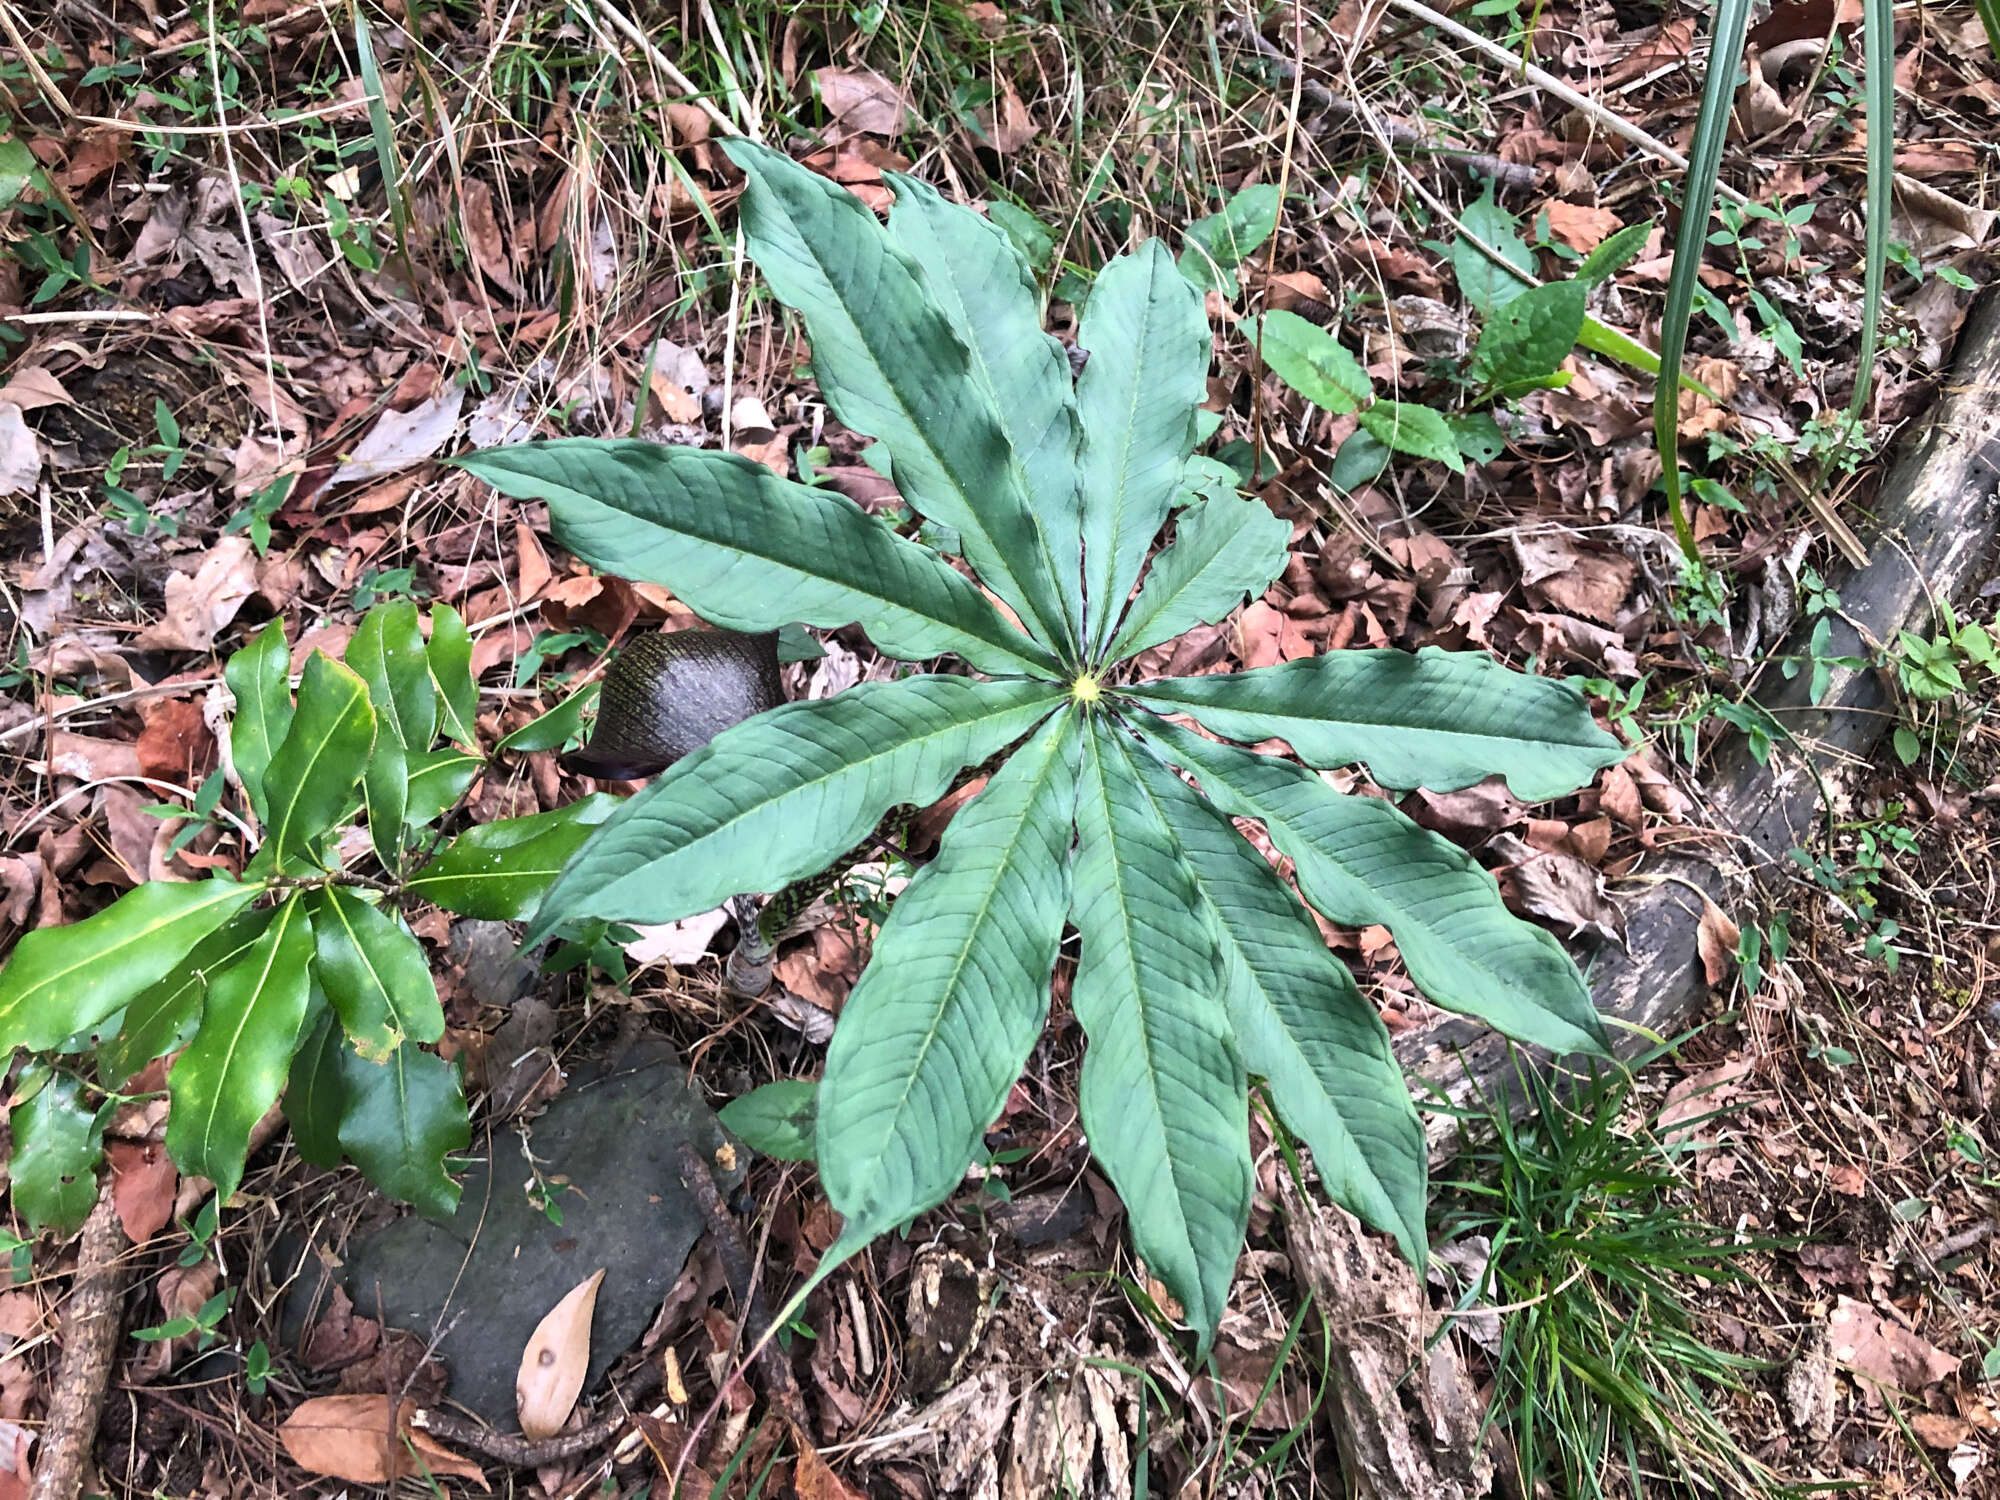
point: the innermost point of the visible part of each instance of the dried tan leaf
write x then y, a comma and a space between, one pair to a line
200, 604
401, 438
553, 1364
1580, 226
20, 458
1716, 938
862, 100
348, 1437
483, 237
143, 1181
1883, 1352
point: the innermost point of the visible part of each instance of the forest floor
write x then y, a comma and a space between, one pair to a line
263, 267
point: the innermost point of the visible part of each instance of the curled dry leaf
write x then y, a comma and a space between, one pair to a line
553, 1364
1717, 938
200, 604
861, 100
348, 1437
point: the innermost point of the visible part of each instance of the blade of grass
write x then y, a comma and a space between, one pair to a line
1989, 17
1878, 44
1732, 18
393, 185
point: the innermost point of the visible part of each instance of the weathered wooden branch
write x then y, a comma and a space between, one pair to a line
92, 1322
1936, 518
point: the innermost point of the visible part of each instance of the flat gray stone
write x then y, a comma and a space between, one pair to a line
488, 1277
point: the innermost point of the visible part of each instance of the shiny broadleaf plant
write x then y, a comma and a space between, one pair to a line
1199, 969
299, 978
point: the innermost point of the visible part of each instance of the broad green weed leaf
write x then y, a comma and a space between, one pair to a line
316, 1094
162, 1017
1311, 361
403, 1117
1361, 862
388, 653
984, 286
373, 973
1299, 1021
752, 552
1478, 436
313, 771
500, 872
1035, 241
1222, 549
554, 729
1486, 286
52, 1173
1531, 335
1613, 254
777, 1120
1361, 460
1164, 1095
1147, 374
235, 1067
778, 797
449, 653
941, 1023
1435, 719
1416, 430
64, 980
260, 677
890, 366
1221, 242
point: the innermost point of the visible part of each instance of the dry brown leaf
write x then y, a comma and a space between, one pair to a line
814, 1479
348, 1437
1937, 1431
20, 457
200, 604
1560, 889
554, 1362
1885, 1353
1005, 122
1716, 938
862, 100
143, 1181
401, 438
1579, 226
484, 238
32, 387
531, 562
176, 744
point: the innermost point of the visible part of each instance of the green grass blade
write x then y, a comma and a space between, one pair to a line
1989, 17
393, 186
1878, 42
1704, 160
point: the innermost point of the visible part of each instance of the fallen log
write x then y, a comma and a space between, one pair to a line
1936, 518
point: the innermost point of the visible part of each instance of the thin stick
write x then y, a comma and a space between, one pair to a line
1548, 83
658, 59
85, 315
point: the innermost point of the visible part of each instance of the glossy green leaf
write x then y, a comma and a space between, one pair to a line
403, 1117
955, 996
891, 366
235, 1068
57, 1138
313, 771
1419, 431
984, 286
777, 1120
64, 980
388, 654
260, 678
752, 552
373, 972
1222, 549
385, 793
1361, 862
1311, 361
778, 797
449, 653
1219, 243
554, 729
437, 779
1711, 130
1164, 1096
1435, 719
1149, 346
1299, 1021
162, 1017
1530, 336
316, 1093
500, 872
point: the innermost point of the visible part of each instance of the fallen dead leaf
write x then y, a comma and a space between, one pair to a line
1938, 1431
679, 943
813, 1478
143, 1181
1716, 938
1580, 226
347, 1437
1885, 1353
200, 604
32, 387
861, 99
401, 438
1560, 889
487, 243
20, 458
1005, 122
554, 1361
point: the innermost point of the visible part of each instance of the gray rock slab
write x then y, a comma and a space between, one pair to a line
488, 1277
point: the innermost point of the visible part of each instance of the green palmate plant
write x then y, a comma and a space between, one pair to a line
298, 977
1198, 966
